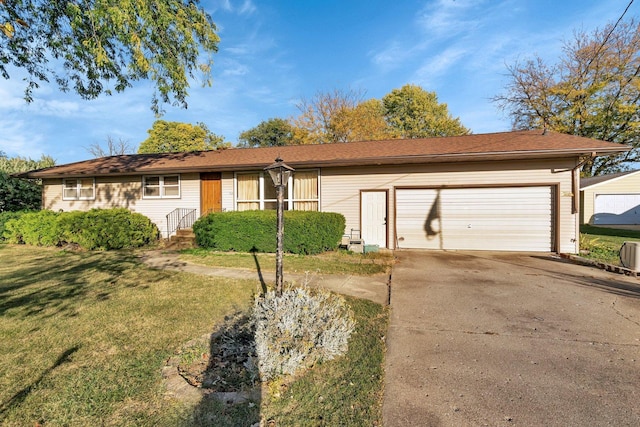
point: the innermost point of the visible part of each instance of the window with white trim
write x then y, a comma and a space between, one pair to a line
161, 187
78, 189
255, 191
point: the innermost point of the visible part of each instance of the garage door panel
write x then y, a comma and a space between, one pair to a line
497, 218
419, 225
621, 209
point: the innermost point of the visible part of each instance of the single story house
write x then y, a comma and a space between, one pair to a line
611, 199
514, 191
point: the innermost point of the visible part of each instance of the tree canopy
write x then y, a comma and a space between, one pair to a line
16, 193
316, 123
175, 137
95, 47
271, 133
343, 116
412, 112
592, 91
364, 122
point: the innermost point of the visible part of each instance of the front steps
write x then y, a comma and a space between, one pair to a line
183, 239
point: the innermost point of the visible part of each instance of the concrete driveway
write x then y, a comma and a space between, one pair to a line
504, 339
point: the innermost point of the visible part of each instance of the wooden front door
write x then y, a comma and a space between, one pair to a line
210, 192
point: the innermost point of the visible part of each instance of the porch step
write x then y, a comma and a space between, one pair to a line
183, 239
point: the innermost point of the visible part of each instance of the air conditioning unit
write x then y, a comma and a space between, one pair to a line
630, 255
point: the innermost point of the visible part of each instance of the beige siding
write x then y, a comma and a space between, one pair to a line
228, 197
341, 187
126, 191
629, 184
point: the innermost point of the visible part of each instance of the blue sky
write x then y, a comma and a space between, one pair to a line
274, 53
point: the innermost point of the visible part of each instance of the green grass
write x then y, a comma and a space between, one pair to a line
603, 244
85, 335
338, 262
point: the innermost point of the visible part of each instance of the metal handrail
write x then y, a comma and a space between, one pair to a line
180, 218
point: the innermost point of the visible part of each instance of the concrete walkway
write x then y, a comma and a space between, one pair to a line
373, 288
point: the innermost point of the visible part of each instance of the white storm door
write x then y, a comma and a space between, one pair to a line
373, 217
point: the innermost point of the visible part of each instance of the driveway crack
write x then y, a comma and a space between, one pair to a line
619, 313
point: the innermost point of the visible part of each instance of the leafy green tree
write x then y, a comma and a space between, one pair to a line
271, 133
17, 193
18, 164
316, 122
177, 137
364, 122
412, 112
97, 47
593, 91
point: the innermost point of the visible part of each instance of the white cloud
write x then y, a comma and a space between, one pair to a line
234, 68
17, 138
55, 108
447, 18
438, 65
247, 8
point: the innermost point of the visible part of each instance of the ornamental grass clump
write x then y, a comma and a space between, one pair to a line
299, 329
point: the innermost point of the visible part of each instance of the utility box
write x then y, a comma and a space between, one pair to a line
630, 255
356, 246
371, 248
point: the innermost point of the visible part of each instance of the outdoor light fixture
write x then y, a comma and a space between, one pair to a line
280, 174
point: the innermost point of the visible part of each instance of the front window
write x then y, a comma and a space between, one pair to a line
162, 186
79, 189
305, 191
255, 191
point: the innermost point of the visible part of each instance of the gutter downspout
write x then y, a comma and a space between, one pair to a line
575, 182
575, 185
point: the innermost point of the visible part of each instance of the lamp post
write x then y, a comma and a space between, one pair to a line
280, 173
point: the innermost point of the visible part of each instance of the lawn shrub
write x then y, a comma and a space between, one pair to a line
106, 229
5, 217
237, 231
299, 329
309, 232
305, 232
34, 228
96, 229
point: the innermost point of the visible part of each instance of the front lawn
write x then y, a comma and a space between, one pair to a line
85, 335
336, 262
603, 244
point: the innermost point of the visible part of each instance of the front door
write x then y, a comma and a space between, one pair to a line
210, 193
373, 217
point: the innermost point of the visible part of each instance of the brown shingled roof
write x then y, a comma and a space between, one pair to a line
493, 146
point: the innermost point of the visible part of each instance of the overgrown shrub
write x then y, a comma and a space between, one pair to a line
5, 217
299, 329
34, 228
17, 194
305, 232
116, 228
96, 229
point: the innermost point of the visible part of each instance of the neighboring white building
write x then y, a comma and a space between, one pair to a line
611, 199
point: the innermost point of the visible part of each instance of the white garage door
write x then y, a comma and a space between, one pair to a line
617, 209
503, 218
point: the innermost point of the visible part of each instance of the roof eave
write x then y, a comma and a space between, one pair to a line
370, 161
